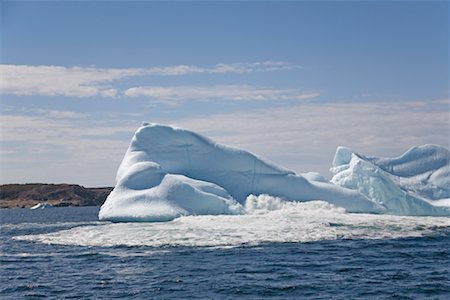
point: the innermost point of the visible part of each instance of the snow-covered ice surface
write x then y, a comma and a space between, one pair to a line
169, 172
267, 219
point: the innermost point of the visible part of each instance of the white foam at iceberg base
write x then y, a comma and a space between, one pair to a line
267, 219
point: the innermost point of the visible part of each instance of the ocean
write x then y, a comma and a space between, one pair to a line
298, 251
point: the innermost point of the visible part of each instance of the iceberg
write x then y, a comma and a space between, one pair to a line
41, 205
415, 183
169, 172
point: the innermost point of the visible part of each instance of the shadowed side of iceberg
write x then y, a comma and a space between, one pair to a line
210, 179
422, 170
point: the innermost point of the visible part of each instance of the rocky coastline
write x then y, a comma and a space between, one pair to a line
30, 194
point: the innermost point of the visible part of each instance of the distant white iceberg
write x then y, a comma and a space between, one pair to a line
169, 172
41, 205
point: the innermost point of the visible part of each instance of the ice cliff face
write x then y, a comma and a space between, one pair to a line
416, 183
168, 172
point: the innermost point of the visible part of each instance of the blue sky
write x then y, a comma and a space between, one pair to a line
290, 80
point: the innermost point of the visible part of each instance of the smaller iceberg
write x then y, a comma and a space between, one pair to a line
42, 205
415, 183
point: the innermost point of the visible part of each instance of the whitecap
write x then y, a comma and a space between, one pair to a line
268, 220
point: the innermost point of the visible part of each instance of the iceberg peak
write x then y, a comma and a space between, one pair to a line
342, 156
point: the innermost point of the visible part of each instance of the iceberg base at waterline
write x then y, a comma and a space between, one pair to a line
170, 172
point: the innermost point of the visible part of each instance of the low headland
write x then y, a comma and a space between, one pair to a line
30, 194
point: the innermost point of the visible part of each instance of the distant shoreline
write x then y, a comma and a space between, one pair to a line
29, 194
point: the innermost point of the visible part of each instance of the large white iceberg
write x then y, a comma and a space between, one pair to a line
415, 183
168, 172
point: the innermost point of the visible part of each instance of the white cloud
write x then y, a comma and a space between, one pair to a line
57, 146
56, 128
229, 92
242, 68
62, 146
88, 81
236, 68
59, 81
54, 113
305, 137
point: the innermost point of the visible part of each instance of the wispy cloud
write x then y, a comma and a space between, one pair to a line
235, 68
89, 81
228, 92
62, 146
46, 144
241, 68
304, 137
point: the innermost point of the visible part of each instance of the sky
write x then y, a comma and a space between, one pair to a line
289, 80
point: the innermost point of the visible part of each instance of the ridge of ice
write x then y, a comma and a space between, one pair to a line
314, 176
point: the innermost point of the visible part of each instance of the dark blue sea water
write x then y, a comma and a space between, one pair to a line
400, 268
